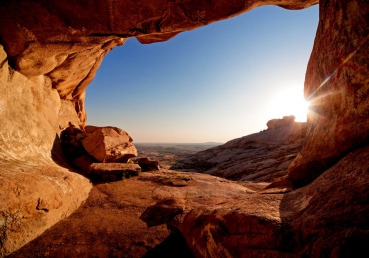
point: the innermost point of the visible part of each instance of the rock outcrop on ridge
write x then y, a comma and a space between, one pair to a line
50, 52
259, 157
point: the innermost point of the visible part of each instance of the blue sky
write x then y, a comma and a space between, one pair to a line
215, 83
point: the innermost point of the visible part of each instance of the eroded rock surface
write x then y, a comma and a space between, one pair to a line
37, 187
328, 218
337, 86
108, 223
259, 157
218, 217
113, 171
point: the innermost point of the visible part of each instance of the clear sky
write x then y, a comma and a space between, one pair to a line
215, 83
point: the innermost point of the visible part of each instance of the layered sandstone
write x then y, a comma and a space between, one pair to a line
259, 157
37, 188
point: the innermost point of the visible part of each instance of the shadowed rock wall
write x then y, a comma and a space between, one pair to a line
337, 85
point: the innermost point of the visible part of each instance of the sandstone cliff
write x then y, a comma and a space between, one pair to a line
259, 157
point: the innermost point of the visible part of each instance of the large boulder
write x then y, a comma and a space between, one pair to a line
109, 145
147, 164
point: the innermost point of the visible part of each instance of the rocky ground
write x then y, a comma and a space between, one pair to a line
215, 217
108, 224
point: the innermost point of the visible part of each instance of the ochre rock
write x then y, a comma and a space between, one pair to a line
106, 145
220, 218
84, 162
92, 129
337, 86
147, 164
37, 187
106, 225
327, 218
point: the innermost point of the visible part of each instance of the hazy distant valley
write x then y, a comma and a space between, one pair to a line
169, 153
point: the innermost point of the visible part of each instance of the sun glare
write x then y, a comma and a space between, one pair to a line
290, 102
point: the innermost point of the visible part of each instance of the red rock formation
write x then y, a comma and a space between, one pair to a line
37, 188
337, 85
328, 218
109, 145
258, 157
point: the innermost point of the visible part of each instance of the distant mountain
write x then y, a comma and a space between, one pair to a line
201, 144
179, 143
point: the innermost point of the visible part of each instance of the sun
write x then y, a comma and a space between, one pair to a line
290, 102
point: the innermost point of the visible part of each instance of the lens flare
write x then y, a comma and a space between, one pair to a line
290, 101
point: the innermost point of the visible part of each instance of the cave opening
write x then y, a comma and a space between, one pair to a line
212, 84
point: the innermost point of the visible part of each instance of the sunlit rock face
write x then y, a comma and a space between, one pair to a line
36, 187
337, 85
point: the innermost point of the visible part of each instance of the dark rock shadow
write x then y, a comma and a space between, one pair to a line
57, 154
173, 246
59, 157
